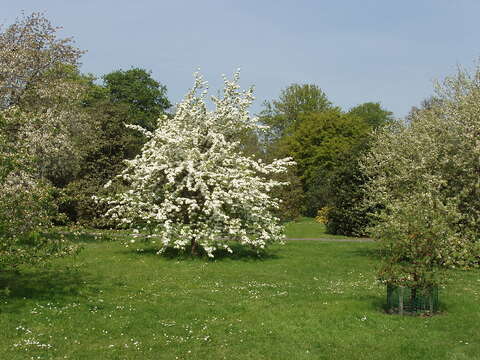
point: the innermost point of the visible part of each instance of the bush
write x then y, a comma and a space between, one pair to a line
348, 215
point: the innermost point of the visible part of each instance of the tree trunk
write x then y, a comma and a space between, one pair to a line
413, 298
193, 244
400, 300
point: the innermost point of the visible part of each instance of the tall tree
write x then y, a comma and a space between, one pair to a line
29, 49
296, 100
283, 116
126, 97
319, 145
373, 114
346, 213
145, 97
59, 124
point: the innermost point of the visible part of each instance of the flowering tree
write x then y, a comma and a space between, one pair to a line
37, 120
56, 126
424, 179
29, 48
192, 186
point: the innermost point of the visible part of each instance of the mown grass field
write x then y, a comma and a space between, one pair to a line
303, 300
308, 228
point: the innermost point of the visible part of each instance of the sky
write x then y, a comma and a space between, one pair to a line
356, 51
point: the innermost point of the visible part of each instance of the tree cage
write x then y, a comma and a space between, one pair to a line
405, 300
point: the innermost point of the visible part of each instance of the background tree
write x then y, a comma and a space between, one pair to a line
430, 104
373, 114
126, 97
283, 116
29, 49
145, 97
347, 214
59, 124
320, 144
326, 143
40, 78
294, 101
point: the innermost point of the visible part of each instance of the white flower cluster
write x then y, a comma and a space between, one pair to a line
192, 186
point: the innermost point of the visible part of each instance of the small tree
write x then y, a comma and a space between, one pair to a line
436, 154
417, 239
424, 182
416, 236
191, 184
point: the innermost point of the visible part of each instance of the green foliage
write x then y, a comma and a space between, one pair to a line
348, 215
283, 115
373, 114
126, 97
417, 239
291, 195
145, 97
326, 143
320, 144
76, 202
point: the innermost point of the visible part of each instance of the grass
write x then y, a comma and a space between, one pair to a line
308, 228
304, 227
303, 300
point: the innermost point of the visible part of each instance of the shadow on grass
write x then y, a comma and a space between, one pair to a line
83, 238
240, 252
42, 284
367, 252
379, 304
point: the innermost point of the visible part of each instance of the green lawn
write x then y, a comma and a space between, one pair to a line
304, 227
308, 228
303, 300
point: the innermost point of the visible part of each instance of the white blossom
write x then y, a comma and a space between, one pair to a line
192, 186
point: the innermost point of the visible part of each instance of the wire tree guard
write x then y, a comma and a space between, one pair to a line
404, 300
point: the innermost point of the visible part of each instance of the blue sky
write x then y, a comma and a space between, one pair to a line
388, 51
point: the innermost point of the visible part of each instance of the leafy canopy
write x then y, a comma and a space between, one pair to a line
145, 97
284, 114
